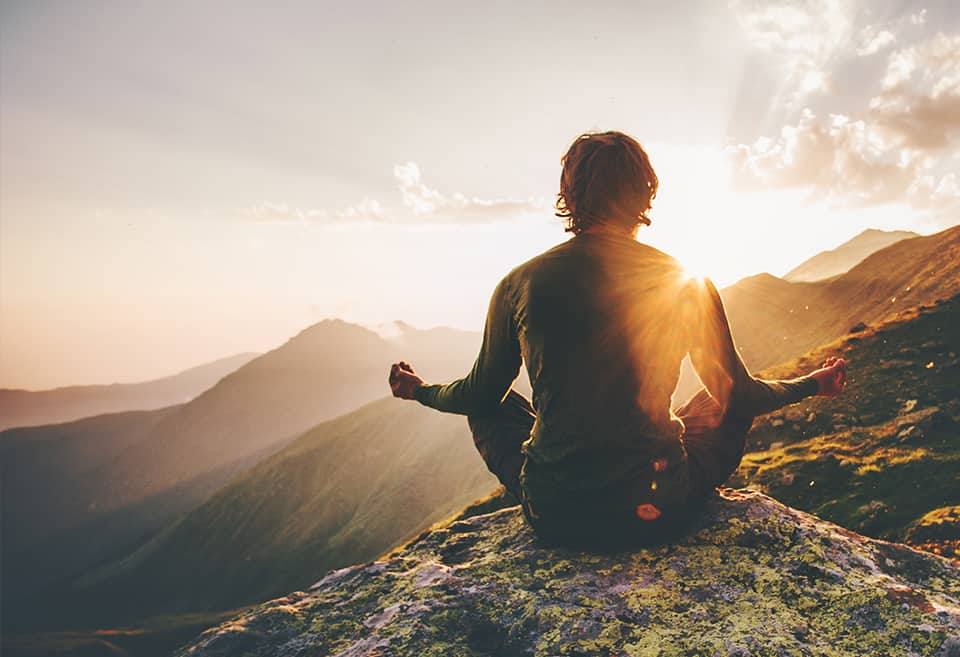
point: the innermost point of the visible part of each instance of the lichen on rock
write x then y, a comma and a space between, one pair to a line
749, 577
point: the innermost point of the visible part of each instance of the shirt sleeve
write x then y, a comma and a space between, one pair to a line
720, 367
495, 369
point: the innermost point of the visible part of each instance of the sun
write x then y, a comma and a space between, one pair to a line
695, 270
707, 263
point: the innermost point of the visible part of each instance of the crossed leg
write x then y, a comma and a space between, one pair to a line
714, 441
498, 436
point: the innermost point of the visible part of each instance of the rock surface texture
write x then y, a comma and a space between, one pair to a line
750, 577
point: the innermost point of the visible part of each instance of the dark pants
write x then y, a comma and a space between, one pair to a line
714, 443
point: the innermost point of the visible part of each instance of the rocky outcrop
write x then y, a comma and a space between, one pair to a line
750, 576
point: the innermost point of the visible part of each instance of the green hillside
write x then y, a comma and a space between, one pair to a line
884, 458
345, 491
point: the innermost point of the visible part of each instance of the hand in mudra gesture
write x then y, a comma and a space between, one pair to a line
403, 380
832, 377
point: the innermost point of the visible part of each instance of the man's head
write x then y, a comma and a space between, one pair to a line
607, 180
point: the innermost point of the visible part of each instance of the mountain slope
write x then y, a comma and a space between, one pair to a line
884, 458
774, 320
147, 478
59, 456
841, 259
749, 577
249, 540
326, 370
26, 408
347, 490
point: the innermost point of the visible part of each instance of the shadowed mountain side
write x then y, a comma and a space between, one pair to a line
182, 455
44, 467
841, 259
749, 577
26, 408
33, 574
885, 455
347, 490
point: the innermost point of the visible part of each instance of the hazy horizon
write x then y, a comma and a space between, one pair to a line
386, 329
181, 183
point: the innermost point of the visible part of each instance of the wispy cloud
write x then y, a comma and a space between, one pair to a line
801, 36
873, 40
419, 204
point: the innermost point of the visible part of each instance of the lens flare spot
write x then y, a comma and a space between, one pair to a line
648, 512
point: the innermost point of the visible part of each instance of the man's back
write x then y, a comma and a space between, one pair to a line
599, 321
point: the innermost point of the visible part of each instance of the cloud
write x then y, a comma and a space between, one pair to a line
899, 147
919, 102
419, 204
873, 40
801, 36
849, 160
365, 210
424, 202
836, 156
271, 213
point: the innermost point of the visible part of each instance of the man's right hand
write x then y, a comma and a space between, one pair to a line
403, 380
832, 377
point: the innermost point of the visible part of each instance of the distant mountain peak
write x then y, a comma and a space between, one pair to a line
846, 256
393, 329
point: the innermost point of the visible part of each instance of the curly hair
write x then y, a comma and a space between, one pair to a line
607, 178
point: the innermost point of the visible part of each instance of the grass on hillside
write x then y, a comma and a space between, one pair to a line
886, 454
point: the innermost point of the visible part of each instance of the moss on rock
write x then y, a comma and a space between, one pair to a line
750, 576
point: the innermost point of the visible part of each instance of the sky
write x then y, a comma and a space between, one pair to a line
181, 181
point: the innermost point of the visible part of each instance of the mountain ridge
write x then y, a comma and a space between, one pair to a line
842, 258
25, 408
191, 450
785, 320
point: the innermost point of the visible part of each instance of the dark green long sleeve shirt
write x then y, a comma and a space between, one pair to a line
602, 323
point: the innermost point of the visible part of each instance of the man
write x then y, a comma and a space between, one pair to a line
602, 322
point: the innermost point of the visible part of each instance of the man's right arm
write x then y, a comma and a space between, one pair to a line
495, 369
715, 357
